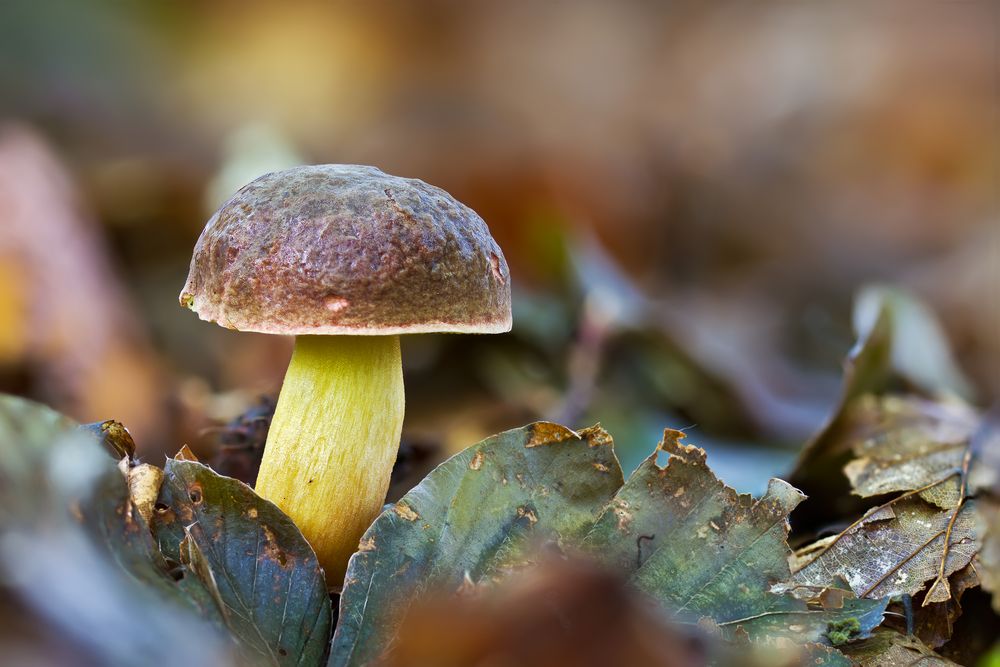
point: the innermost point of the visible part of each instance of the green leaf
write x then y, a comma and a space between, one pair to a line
250, 558
705, 551
677, 533
111, 516
472, 517
73, 556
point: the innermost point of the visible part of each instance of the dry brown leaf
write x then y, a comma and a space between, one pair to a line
934, 624
891, 649
185, 454
896, 549
144, 482
904, 443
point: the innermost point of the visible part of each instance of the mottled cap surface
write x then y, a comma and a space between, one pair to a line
347, 249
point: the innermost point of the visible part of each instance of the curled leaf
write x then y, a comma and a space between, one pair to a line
114, 436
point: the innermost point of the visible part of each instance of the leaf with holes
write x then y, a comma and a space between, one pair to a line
678, 534
471, 520
254, 563
706, 552
897, 548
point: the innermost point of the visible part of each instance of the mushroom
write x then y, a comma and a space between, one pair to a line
345, 258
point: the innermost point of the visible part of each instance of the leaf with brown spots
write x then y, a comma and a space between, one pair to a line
706, 552
252, 560
469, 522
678, 534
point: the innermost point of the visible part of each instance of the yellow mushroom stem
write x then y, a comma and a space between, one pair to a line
333, 441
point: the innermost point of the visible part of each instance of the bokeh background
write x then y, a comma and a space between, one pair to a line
688, 194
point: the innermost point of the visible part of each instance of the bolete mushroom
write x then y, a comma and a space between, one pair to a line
345, 258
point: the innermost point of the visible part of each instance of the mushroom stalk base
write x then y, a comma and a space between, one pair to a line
333, 441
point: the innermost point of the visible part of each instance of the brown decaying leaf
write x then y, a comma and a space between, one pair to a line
934, 624
895, 549
906, 442
923, 450
891, 649
185, 454
899, 343
144, 482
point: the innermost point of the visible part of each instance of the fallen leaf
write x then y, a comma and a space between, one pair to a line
891, 649
185, 454
254, 563
76, 555
143, 482
898, 341
469, 526
114, 436
902, 443
934, 624
705, 553
895, 549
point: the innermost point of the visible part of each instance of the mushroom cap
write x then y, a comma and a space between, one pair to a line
347, 249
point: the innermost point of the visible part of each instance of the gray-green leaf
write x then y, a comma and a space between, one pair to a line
254, 563
472, 517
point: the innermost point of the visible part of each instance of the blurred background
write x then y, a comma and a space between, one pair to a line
688, 194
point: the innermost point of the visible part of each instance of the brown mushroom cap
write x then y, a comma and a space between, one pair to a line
347, 249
